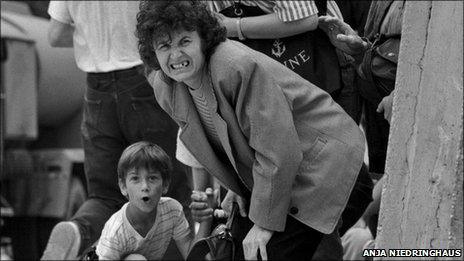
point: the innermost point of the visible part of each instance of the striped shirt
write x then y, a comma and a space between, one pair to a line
119, 238
204, 111
287, 11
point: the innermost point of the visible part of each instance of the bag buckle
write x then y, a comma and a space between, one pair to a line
225, 234
237, 9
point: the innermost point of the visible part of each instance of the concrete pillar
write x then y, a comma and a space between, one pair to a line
422, 200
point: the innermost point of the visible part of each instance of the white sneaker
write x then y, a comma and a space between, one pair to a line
64, 242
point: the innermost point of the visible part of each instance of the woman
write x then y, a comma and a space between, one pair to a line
265, 133
265, 21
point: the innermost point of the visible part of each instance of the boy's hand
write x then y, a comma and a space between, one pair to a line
202, 205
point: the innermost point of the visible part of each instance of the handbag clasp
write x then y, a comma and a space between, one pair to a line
237, 9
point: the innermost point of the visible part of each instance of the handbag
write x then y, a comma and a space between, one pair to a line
220, 245
309, 54
379, 66
89, 254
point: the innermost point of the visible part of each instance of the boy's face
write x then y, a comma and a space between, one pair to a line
144, 188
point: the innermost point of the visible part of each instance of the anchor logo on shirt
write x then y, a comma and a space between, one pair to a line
278, 49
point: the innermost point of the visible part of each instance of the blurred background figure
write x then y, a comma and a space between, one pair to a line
119, 109
375, 58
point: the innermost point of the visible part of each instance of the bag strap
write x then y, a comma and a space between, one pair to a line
205, 246
233, 212
200, 248
321, 7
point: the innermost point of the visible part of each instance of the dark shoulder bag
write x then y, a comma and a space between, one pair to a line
381, 59
379, 66
309, 54
220, 245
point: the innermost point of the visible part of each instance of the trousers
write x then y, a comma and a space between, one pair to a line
120, 109
296, 242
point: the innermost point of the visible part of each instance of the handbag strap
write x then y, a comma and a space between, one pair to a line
321, 7
200, 249
206, 245
233, 212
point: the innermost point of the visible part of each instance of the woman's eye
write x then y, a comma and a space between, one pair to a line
153, 178
134, 178
185, 42
163, 47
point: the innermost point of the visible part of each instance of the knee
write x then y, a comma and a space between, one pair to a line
135, 257
356, 237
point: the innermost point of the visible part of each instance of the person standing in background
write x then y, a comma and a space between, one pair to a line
377, 82
119, 109
382, 35
279, 19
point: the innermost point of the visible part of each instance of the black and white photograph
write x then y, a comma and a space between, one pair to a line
231, 130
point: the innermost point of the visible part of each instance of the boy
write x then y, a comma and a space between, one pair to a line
144, 226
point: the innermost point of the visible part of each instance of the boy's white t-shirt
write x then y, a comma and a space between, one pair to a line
119, 238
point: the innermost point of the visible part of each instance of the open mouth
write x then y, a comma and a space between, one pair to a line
180, 65
145, 199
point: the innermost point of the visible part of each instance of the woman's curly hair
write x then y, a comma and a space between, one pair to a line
158, 19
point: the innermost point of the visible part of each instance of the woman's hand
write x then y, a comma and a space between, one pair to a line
385, 106
231, 197
342, 36
256, 238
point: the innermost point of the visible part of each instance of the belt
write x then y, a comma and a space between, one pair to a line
118, 73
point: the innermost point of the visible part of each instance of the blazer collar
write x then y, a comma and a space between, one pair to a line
184, 111
181, 102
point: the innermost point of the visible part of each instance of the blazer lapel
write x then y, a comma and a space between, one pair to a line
194, 137
220, 125
220, 104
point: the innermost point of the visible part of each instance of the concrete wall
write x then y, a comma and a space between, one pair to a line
422, 197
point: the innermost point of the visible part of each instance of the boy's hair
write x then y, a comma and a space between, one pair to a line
144, 154
161, 18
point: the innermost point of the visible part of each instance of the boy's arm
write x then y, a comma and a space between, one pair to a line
204, 230
109, 248
184, 244
201, 179
204, 203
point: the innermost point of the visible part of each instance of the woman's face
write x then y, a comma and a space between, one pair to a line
180, 56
